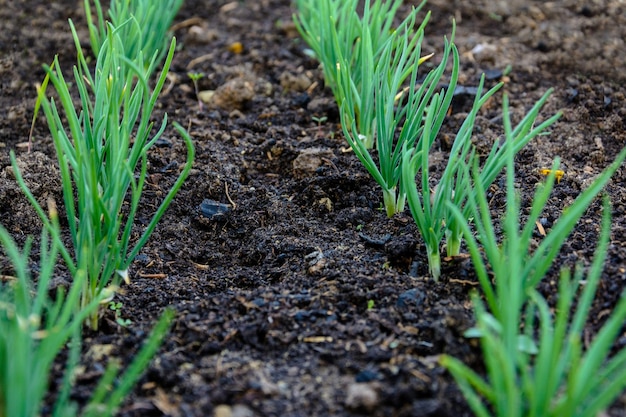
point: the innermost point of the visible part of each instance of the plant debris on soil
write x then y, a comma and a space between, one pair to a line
295, 294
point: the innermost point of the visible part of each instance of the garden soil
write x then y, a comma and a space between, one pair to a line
295, 294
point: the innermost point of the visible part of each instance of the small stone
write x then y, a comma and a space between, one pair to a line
411, 298
223, 410
367, 375
316, 261
291, 82
206, 95
232, 95
200, 35
322, 105
484, 52
317, 267
240, 410
326, 203
362, 396
211, 208
309, 160
97, 353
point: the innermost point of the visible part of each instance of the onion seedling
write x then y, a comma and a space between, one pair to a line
335, 33
429, 205
368, 71
105, 401
33, 327
399, 59
148, 18
102, 156
550, 376
515, 255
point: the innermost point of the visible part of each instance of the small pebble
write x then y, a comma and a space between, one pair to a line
362, 396
367, 375
232, 95
309, 160
211, 208
410, 298
292, 82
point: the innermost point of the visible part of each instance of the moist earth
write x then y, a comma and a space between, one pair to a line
295, 294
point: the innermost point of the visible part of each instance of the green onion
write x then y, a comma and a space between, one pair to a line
429, 205
536, 369
531, 267
393, 111
366, 64
551, 376
335, 32
146, 32
102, 156
33, 328
106, 401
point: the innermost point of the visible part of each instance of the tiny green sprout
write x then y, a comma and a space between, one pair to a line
496, 17
359, 227
320, 121
370, 305
117, 308
195, 77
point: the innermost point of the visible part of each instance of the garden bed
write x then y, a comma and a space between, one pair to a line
300, 297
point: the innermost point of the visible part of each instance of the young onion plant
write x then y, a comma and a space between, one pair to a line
102, 156
555, 375
509, 289
105, 400
399, 109
151, 19
33, 327
537, 368
429, 206
335, 32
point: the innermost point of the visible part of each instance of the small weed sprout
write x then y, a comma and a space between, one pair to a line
116, 307
320, 121
195, 77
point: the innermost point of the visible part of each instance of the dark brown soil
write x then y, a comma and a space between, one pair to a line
272, 296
